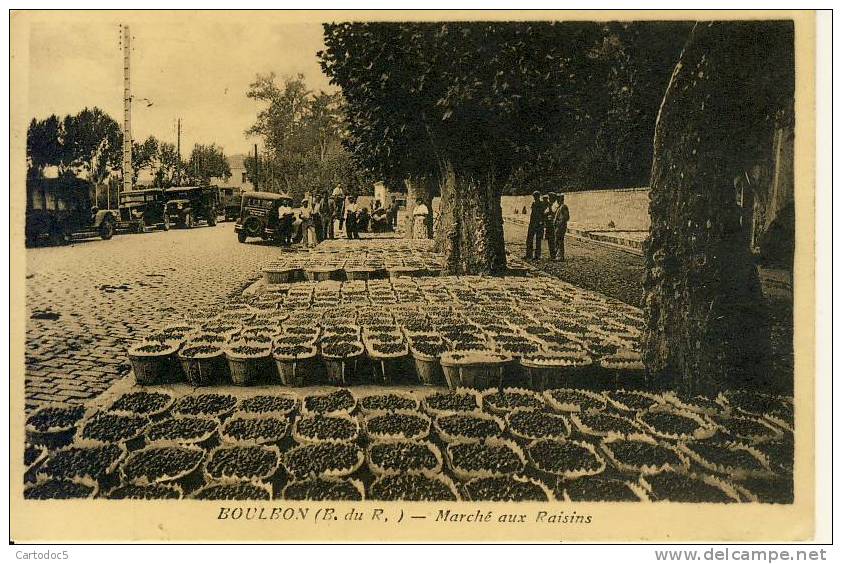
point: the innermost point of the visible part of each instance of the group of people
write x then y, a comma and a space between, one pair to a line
548, 219
318, 218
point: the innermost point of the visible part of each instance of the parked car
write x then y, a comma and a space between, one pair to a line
143, 208
63, 208
259, 217
187, 205
230, 200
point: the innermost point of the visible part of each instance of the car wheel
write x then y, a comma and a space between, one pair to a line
252, 227
241, 236
106, 229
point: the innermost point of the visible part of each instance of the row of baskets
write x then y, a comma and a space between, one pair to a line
193, 465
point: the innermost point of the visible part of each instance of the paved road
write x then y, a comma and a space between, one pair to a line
592, 266
86, 303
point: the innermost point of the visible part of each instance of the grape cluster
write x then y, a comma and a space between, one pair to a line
500, 459
562, 456
592, 488
267, 404
242, 462
410, 487
640, 453
504, 488
603, 424
83, 462
58, 489
506, 401
340, 400
236, 491
142, 403
151, 491
205, 404
404, 424
468, 426
55, 418
319, 458
403, 456
451, 401
387, 402
669, 423
324, 427
673, 486
255, 429
111, 427
181, 429
320, 489
583, 401
536, 424
161, 463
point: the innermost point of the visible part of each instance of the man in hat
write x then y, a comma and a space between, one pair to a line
560, 219
535, 231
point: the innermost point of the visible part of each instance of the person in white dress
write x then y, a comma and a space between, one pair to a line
419, 220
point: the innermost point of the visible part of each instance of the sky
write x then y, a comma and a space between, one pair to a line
190, 66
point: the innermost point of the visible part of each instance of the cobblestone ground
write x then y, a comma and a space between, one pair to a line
86, 303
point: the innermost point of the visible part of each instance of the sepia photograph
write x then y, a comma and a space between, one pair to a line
414, 270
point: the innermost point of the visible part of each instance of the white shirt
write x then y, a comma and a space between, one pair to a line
420, 209
284, 210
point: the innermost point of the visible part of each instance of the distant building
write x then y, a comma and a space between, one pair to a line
239, 178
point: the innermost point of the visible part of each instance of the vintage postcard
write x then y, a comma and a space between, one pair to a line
412, 276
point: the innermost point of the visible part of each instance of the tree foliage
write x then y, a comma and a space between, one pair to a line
207, 161
302, 135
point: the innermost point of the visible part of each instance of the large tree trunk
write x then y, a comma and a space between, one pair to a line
470, 229
706, 324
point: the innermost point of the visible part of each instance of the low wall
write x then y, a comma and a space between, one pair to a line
595, 209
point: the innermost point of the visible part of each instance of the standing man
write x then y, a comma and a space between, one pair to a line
339, 202
328, 213
536, 227
551, 201
562, 216
351, 219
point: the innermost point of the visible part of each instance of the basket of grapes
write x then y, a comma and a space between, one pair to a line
341, 359
103, 427
233, 490
53, 425
328, 459
486, 458
280, 405
413, 487
507, 488
477, 369
403, 457
204, 364
500, 402
57, 488
296, 363
83, 459
147, 492
390, 401
184, 429
565, 458
255, 463
150, 404
329, 403
398, 425
205, 405
163, 462
529, 424
254, 429
670, 423
249, 362
154, 362
465, 427
643, 455
324, 489
318, 428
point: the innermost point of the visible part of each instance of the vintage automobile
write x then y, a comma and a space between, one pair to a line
187, 205
259, 218
230, 200
143, 208
63, 208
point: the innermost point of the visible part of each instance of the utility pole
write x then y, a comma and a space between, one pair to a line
256, 167
178, 152
127, 115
